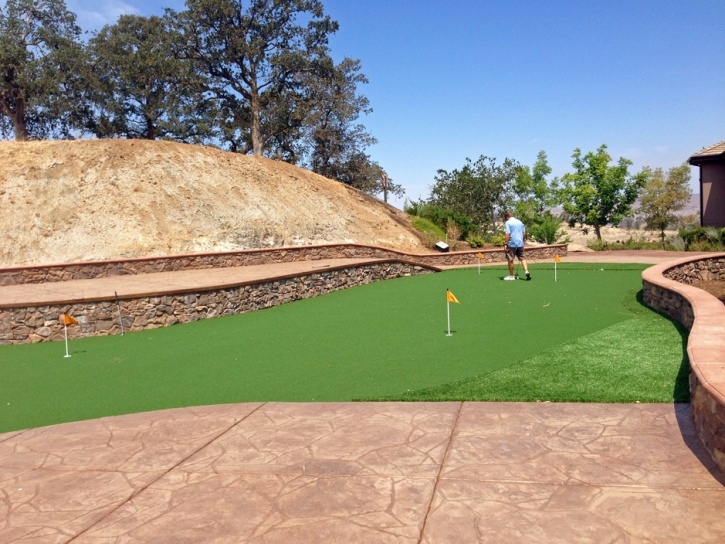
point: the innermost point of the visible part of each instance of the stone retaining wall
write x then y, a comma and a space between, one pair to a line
38, 324
666, 288
705, 269
150, 265
668, 302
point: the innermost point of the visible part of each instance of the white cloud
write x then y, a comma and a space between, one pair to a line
93, 16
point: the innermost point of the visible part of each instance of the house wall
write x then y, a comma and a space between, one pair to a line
712, 176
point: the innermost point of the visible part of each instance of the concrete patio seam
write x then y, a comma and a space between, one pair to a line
440, 471
144, 488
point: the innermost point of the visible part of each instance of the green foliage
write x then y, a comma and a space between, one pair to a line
143, 89
43, 90
497, 239
546, 230
256, 57
703, 239
676, 243
441, 217
597, 194
663, 196
534, 194
427, 227
336, 142
411, 207
479, 191
475, 241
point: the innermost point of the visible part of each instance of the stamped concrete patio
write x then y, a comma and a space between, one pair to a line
365, 472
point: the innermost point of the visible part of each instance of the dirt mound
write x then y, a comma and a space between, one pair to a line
104, 199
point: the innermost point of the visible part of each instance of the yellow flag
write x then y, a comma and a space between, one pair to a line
480, 255
68, 320
557, 258
450, 297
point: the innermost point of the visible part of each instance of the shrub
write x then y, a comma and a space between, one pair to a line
678, 243
453, 230
547, 231
475, 241
703, 239
429, 239
498, 240
440, 217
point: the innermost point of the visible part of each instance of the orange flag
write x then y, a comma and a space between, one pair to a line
479, 255
557, 258
450, 297
68, 320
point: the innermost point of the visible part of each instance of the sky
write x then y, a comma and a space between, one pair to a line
451, 79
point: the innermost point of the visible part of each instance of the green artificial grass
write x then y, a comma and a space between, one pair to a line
639, 360
372, 341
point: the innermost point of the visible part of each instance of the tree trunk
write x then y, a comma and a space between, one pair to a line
597, 231
150, 130
257, 144
19, 124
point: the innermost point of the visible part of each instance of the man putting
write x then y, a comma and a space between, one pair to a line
515, 239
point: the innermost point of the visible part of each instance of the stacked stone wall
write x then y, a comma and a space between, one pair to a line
100, 269
668, 289
705, 269
668, 302
38, 324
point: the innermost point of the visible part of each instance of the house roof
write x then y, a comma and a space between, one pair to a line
714, 152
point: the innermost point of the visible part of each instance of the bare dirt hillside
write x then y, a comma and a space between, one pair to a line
104, 199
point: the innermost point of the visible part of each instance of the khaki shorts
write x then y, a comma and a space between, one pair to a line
513, 252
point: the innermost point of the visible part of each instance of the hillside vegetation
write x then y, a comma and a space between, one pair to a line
65, 201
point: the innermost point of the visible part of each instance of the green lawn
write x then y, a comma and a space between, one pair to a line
375, 341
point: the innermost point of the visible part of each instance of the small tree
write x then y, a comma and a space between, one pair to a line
597, 194
534, 194
480, 190
663, 196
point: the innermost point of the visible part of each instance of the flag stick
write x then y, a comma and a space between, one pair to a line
448, 306
65, 328
554, 270
479, 266
120, 318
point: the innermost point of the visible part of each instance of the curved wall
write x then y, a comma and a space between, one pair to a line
666, 289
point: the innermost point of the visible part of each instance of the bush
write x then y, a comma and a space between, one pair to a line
674, 244
703, 239
475, 241
498, 240
440, 217
546, 231
678, 243
453, 230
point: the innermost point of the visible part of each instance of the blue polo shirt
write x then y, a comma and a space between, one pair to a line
516, 229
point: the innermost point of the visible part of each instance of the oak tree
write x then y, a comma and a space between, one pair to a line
42, 66
253, 56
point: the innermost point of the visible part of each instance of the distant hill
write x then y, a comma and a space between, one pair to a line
81, 200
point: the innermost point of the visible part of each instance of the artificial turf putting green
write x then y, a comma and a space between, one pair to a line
370, 341
632, 361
